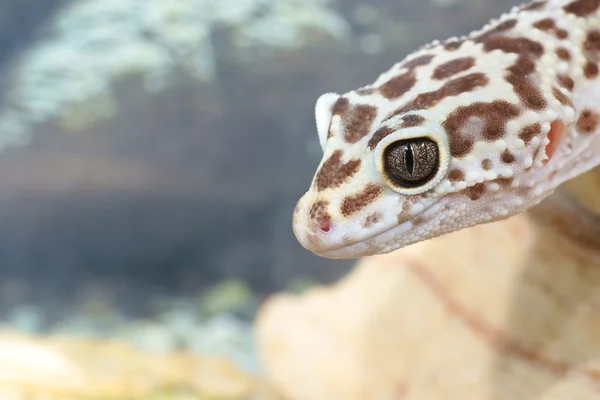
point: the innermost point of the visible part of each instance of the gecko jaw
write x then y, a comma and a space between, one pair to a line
381, 242
341, 242
349, 238
367, 246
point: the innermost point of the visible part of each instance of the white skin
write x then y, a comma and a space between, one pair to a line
469, 131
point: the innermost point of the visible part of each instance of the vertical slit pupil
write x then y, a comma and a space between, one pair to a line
409, 159
411, 162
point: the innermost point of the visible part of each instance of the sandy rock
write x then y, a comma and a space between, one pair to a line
503, 311
63, 368
24, 362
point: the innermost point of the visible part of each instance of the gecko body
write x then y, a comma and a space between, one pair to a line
466, 131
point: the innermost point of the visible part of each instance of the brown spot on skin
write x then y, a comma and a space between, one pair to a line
548, 25
566, 82
507, 157
340, 106
418, 220
456, 175
495, 115
527, 92
523, 66
535, 5
398, 85
592, 54
379, 135
476, 191
501, 27
561, 97
333, 173
408, 121
587, 122
505, 25
403, 215
563, 54
513, 45
519, 73
486, 164
372, 220
529, 132
519, 78
353, 204
582, 8
504, 182
417, 62
453, 67
357, 122
590, 69
451, 88
592, 41
318, 211
364, 91
452, 45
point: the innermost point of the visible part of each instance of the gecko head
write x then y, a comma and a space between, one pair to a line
376, 177
391, 177
455, 135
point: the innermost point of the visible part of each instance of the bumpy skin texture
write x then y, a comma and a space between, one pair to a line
513, 109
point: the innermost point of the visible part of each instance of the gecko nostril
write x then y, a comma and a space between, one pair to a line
325, 225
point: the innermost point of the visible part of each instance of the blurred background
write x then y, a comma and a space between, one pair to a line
152, 152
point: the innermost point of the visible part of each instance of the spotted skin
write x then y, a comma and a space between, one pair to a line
513, 110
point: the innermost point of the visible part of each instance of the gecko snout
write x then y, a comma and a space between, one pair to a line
312, 224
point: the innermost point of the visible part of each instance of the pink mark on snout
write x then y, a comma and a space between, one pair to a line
325, 225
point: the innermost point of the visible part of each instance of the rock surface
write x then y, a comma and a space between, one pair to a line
503, 311
61, 368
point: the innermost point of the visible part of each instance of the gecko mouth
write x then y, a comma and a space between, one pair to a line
382, 242
378, 243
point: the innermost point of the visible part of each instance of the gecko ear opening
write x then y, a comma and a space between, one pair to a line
323, 115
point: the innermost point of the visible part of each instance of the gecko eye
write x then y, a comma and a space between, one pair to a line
413, 162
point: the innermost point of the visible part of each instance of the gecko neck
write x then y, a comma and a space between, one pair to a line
573, 214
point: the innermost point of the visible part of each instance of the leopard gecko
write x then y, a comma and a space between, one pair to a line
461, 132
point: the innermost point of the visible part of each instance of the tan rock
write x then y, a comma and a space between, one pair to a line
62, 368
503, 311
